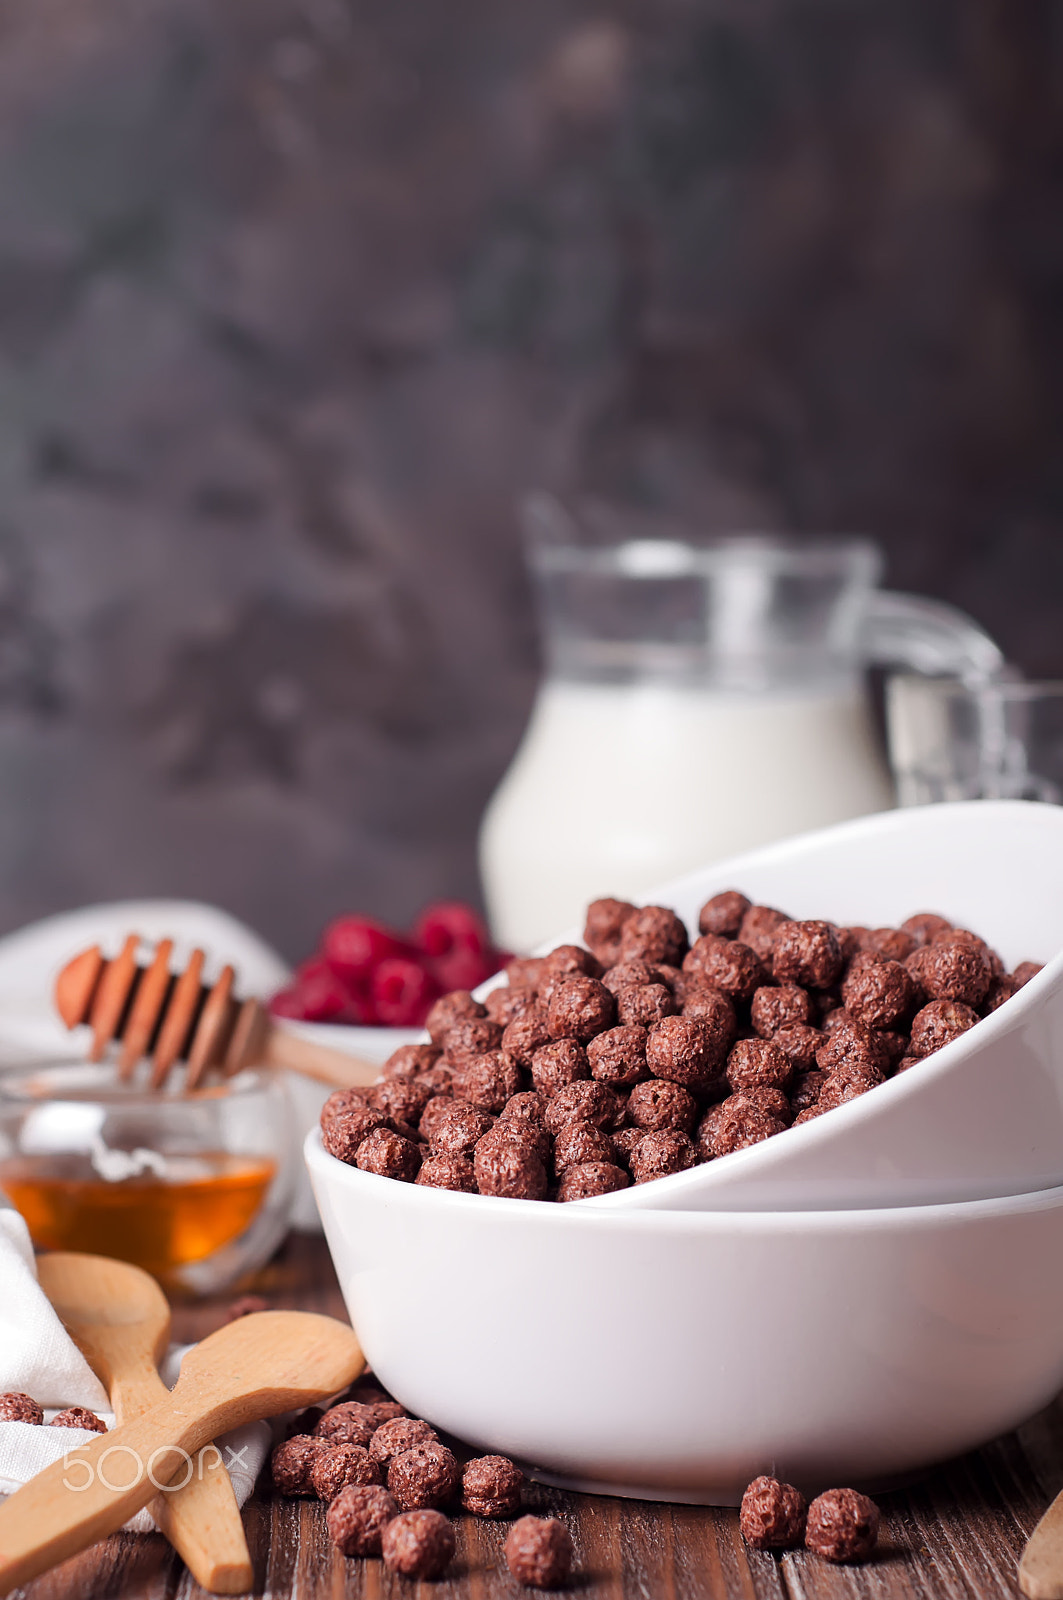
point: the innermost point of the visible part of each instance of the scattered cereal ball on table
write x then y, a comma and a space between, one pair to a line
937, 1024
18, 1407
344, 1132
758, 929
509, 1170
424, 1476
357, 1517
491, 1486
723, 914
418, 1544
292, 1463
381, 1411
79, 1417
389, 1155
539, 1552
662, 1104
806, 953
447, 1172
658, 1154
350, 1422
842, 1525
337, 1465
773, 1515
401, 1433
725, 964
604, 926
617, 1057
591, 1178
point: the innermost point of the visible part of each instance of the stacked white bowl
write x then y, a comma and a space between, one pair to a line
848, 1302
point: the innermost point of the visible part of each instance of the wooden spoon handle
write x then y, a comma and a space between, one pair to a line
1041, 1567
289, 1051
201, 1520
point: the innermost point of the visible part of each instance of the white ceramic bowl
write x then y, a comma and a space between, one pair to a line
677, 1355
982, 1117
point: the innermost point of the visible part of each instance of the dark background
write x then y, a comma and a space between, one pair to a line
296, 296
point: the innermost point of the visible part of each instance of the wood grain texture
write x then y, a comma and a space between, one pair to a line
957, 1534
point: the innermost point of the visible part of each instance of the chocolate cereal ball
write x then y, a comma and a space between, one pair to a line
567, 961
390, 1439
418, 1544
725, 964
539, 1552
579, 1008
800, 1043
661, 1104
491, 1486
723, 914
488, 1081
402, 1099
804, 1091
292, 1463
590, 1178
341, 1101
524, 1106
604, 926
687, 1052
344, 1132
337, 1465
645, 1003
580, 1142
389, 1155
892, 944
357, 1517
653, 934
78, 1417
851, 1040
435, 1108
755, 1063
625, 1140
456, 1130
878, 993
18, 1407
426, 1475
771, 1100
449, 1009
781, 1006
938, 1024
806, 953
582, 1102
509, 1171
560, 1062
350, 1422
658, 1154
953, 970
773, 1515
408, 1061
618, 1056
629, 972
523, 972
842, 1525
527, 1135
526, 1034
447, 1172
704, 1004
473, 1036
734, 1124
503, 1004
1025, 971
758, 928
925, 926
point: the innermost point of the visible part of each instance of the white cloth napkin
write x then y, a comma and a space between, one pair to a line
38, 1358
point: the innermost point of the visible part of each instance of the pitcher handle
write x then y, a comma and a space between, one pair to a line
928, 636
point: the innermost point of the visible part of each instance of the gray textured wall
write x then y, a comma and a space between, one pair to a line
295, 297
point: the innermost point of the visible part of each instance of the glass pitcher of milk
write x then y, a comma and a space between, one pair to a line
699, 699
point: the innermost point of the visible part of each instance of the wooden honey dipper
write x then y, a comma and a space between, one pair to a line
173, 1016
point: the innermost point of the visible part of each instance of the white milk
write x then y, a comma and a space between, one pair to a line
618, 787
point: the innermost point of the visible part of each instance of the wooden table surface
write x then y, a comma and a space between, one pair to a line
959, 1532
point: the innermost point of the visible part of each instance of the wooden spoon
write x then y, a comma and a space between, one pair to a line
1041, 1567
171, 1016
267, 1362
120, 1321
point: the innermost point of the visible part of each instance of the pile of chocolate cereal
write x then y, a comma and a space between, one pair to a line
384, 1476
642, 1054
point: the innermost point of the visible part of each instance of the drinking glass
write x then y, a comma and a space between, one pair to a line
951, 740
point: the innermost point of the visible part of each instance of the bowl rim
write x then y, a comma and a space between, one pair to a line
881, 1219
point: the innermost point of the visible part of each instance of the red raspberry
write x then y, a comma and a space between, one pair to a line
318, 995
446, 924
355, 946
402, 993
